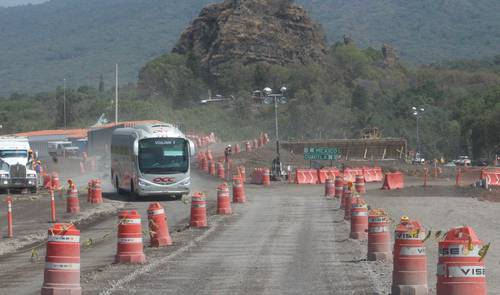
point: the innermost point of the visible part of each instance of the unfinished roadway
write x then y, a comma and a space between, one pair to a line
287, 239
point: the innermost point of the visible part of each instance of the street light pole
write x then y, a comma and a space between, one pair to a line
277, 130
277, 171
64, 104
418, 135
417, 112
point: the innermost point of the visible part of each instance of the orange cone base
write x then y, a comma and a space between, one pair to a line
224, 211
199, 223
359, 236
380, 256
167, 241
130, 258
73, 210
239, 201
410, 290
61, 291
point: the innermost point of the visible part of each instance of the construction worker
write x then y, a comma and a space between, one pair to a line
39, 170
227, 154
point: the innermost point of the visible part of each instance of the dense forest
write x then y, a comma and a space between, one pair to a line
81, 39
354, 88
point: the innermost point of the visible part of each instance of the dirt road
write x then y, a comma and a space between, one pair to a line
285, 240
288, 239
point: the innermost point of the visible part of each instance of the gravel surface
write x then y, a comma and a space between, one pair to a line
285, 240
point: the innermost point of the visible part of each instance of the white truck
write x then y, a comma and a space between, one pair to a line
16, 164
62, 149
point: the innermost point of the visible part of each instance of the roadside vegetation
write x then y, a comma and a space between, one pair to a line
354, 88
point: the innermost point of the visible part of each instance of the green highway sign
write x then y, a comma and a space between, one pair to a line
320, 153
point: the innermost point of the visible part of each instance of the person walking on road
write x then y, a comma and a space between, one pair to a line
227, 155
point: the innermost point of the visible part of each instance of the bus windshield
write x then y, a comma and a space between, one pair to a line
163, 155
13, 154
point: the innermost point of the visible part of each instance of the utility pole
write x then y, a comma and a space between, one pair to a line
116, 94
64, 104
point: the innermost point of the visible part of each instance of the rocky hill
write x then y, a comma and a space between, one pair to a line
82, 39
270, 31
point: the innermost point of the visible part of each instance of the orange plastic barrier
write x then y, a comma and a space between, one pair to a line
258, 176
306, 176
491, 176
393, 181
379, 175
350, 174
325, 173
372, 174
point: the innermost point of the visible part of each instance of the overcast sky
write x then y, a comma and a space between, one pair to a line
19, 2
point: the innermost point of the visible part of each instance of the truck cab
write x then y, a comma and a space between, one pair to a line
62, 149
16, 164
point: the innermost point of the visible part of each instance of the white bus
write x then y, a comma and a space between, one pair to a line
151, 159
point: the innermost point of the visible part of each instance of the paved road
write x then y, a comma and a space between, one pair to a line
283, 241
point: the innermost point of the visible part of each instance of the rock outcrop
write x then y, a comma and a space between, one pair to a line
391, 58
252, 31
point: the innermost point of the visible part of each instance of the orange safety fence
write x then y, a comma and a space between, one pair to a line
350, 174
306, 176
492, 176
319, 176
326, 173
258, 175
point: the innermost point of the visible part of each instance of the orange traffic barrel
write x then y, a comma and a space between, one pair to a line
379, 236
248, 146
329, 188
211, 168
62, 261
237, 148
266, 177
204, 164
198, 210
209, 155
242, 173
345, 192
359, 219
220, 171
129, 246
348, 198
460, 269
238, 190
47, 181
223, 200
96, 192
359, 185
56, 183
72, 201
158, 226
339, 186
409, 274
